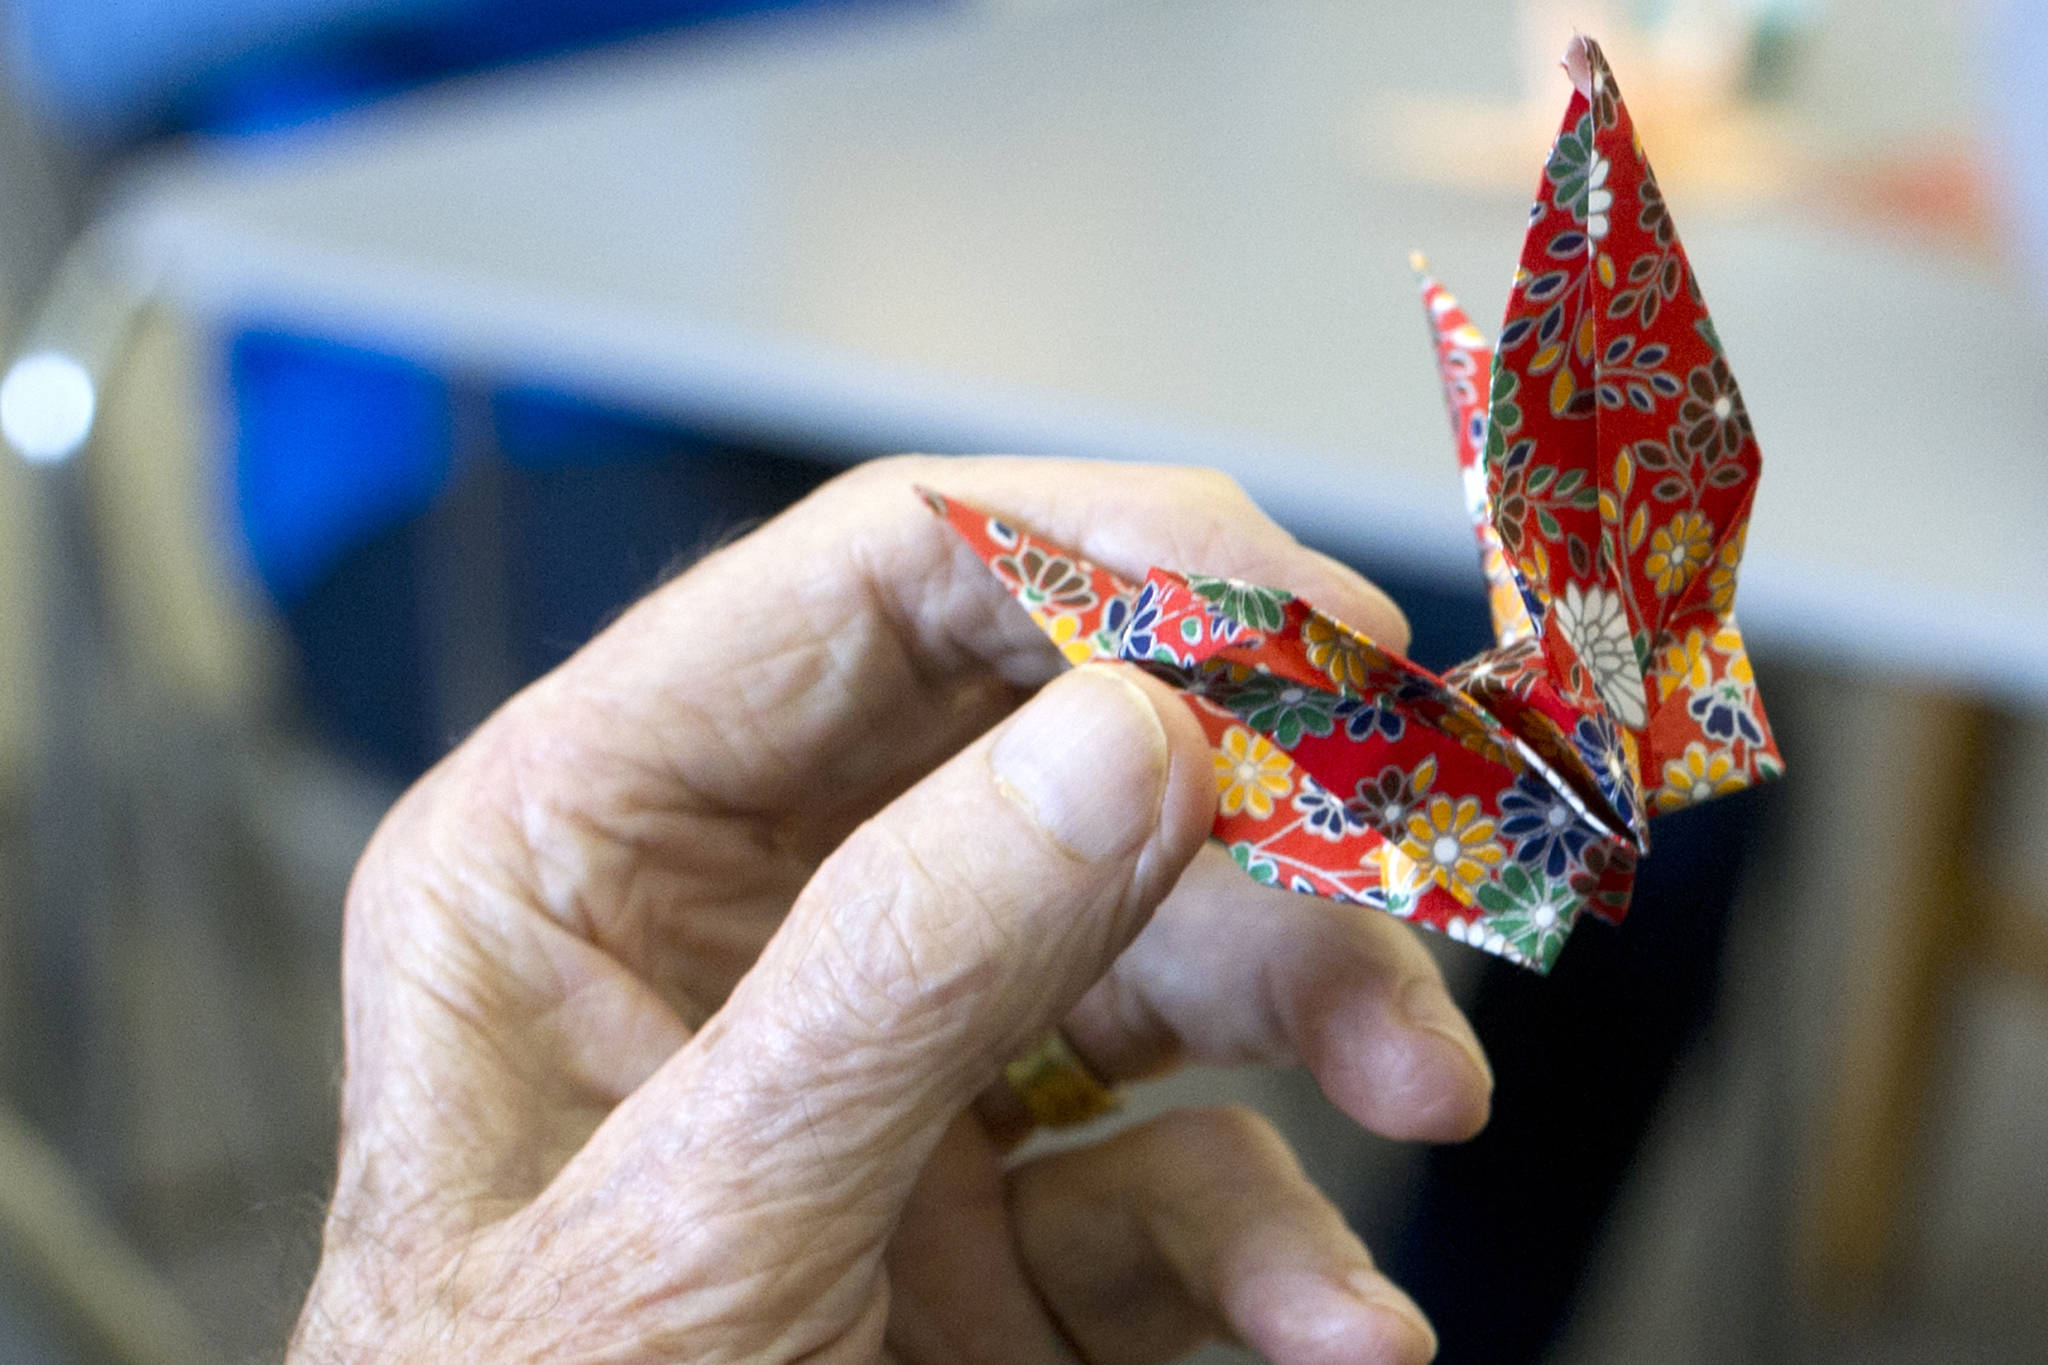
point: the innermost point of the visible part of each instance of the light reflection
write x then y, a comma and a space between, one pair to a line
46, 406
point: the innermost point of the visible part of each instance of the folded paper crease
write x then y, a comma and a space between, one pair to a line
1609, 468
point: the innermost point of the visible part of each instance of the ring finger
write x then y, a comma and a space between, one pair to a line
1198, 1225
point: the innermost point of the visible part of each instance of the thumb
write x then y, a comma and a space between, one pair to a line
941, 938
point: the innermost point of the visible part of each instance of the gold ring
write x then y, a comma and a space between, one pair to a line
1056, 1086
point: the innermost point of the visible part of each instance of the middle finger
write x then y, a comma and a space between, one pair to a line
1230, 972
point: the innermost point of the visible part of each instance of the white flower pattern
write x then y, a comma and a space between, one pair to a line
1610, 327
1477, 933
1596, 628
1599, 199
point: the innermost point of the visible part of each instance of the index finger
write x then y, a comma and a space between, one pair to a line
1131, 517
853, 643
675, 782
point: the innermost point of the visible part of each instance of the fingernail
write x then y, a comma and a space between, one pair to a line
1426, 1005
1086, 758
1382, 1297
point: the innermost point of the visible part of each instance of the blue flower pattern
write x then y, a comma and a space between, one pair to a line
1723, 713
1324, 814
1542, 827
1116, 613
1599, 743
1143, 643
1362, 716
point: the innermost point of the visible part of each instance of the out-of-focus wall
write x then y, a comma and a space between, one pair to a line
18, 626
31, 222
178, 597
179, 610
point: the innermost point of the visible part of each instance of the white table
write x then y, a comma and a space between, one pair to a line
1139, 231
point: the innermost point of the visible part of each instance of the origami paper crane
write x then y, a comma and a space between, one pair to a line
1609, 468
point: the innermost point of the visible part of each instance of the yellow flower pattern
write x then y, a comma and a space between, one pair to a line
1510, 613
1699, 774
1454, 839
1685, 664
1250, 773
1721, 581
1470, 731
1065, 633
1677, 550
1728, 640
1336, 651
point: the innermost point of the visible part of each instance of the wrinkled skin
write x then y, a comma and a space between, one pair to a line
675, 996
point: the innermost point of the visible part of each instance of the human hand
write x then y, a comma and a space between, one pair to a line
669, 993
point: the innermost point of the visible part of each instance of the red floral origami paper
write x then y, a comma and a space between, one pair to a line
1609, 467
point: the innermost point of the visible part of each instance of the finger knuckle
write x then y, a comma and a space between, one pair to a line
904, 468
1214, 487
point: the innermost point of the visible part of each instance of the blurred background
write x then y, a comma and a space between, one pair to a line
367, 355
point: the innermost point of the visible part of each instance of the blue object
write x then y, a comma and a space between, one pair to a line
342, 459
332, 443
117, 70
